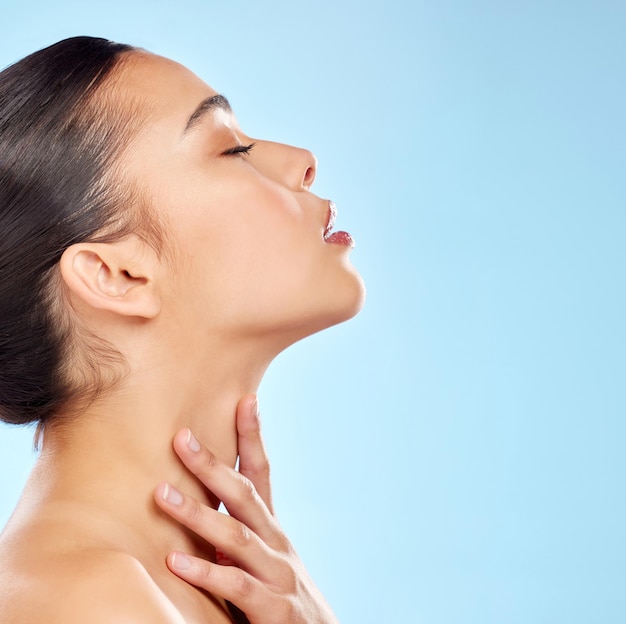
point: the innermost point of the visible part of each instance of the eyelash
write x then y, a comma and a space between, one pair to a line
238, 149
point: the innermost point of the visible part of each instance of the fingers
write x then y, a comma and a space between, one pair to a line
235, 490
253, 461
257, 569
231, 583
227, 534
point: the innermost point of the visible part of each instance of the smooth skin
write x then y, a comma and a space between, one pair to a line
245, 273
259, 570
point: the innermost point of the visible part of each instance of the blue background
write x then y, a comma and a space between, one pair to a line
456, 453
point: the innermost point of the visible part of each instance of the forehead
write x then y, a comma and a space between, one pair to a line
160, 88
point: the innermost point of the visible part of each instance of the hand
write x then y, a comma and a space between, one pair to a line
263, 575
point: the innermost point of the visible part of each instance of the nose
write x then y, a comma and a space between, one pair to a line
293, 167
311, 169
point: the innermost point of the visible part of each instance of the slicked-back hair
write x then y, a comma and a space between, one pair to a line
59, 140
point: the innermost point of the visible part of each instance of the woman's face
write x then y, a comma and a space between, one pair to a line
250, 253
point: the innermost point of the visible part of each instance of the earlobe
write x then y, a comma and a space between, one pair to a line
114, 277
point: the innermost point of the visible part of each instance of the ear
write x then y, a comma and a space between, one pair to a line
117, 277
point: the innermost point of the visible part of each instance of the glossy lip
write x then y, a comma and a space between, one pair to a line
341, 238
332, 215
336, 238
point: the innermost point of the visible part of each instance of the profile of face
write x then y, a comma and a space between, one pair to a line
250, 255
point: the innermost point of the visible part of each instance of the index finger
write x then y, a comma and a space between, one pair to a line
253, 461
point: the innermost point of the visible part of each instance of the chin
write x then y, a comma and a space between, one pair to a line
346, 302
339, 304
355, 299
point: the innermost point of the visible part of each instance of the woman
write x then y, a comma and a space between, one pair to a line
153, 261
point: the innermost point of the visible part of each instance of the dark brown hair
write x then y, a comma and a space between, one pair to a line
60, 136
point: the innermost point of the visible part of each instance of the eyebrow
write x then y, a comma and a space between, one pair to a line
211, 103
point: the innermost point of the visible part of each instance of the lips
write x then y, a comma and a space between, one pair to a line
336, 238
332, 215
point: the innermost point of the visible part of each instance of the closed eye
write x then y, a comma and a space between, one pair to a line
238, 149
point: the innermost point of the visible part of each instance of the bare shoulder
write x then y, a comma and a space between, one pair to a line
96, 586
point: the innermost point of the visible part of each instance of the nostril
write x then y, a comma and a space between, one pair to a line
309, 176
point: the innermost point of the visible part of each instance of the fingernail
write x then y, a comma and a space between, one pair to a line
192, 442
172, 495
255, 408
180, 562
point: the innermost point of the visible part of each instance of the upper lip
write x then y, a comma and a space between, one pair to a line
330, 222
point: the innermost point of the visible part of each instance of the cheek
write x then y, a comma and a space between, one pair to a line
254, 259
253, 246
253, 231
265, 270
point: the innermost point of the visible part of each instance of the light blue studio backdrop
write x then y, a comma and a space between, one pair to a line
454, 454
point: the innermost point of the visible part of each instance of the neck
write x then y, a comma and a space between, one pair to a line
109, 459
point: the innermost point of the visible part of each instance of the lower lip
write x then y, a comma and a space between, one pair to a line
340, 238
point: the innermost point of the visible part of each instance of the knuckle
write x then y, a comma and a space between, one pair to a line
193, 511
242, 585
260, 468
247, 491
241, 534
284, 545
287, 611
290, 579
205, 574
209, 461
